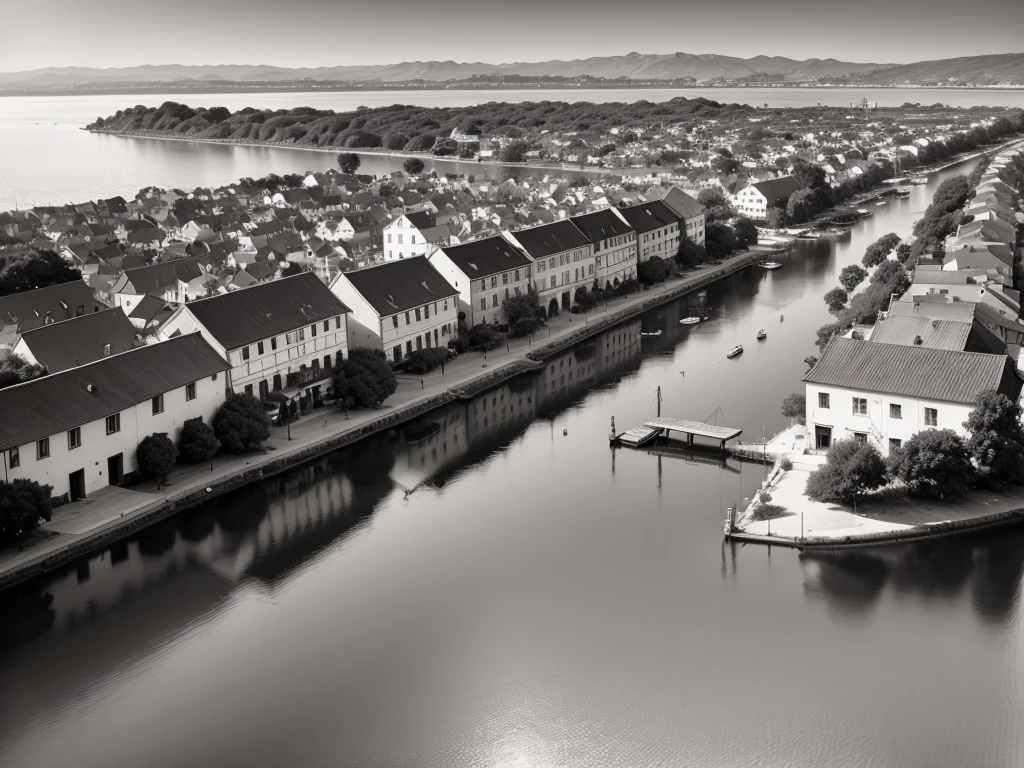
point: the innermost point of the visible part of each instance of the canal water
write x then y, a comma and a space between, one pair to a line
494, 586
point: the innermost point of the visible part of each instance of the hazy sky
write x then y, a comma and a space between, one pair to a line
113, 33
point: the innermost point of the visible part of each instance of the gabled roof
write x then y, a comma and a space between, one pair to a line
601, 225
29, 309
243, 317
911, 371
420, 219
399, 285
487, 256
686, 207
58, 402
540, 242
157, 277
933, 333
81, 340
773, 189
962, 311
649, 216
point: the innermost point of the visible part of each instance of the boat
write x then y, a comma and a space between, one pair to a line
737, 350
808, 235
881, 202
691, 320
772, 265
865, 212
902, 193
650, 334
761, 335
918, 179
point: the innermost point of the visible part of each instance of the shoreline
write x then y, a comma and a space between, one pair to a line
22, 567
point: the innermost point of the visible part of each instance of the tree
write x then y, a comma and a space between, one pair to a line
777, 218
24, 270
197, 444
996, 440
23, 503
155, 457
852, 276
241, 424
653, 271
879, 250
413, 166
14, 369
349, 162
716, 205
809, 176
893, 276
690, 254
802, 205
484, 338
746, 232
850, 469
514, 152
826, 333
217, 114
933, 464
524, 314
364, 380
835, 300
421, 361
795, 407
719, 240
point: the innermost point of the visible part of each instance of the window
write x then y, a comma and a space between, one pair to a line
158, 404
190, 391
113, 423
426, 311
394, 320
399, 239
389, 238
74, 438
412, 239
248, 389
894, 444
245, 353
43, 448
312, 329
504, 278
408, 347
823, 400
417, 310
895, 411
483, 285
337, 323
419, 343
273, 343
106, 350
494, 282
860, 437
406, 318
15, 455
931, 417
494, 301
327, 361
516, 278
483, 303
860, 406
326, 325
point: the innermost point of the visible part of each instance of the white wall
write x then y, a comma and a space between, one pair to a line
616, 261
750, 202
662, 242
402, 240
695, 229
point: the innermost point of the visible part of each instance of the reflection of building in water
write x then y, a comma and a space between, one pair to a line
429, 445
608, 355
511, 405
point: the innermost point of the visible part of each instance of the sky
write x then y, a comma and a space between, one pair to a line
301, 33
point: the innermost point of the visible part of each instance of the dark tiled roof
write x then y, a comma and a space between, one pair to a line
934, 334
420, 219
400, 285
601, 225
488, 256
56, 403
269, 309
684, 205
929, 374
82, 340
649, 216
28, 309
547, 239
157, 277
773, 189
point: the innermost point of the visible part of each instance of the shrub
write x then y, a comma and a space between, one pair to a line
835, 300
933, 464
996, 437
197, 443
525, 306
365, 380
525, 326
413, 166
349, 162
23, 503
851, 468
425, 360
653, 271
14, 369
746, 232
852, 276
484, 338
690, 254
241, 424
155, 457
795, 407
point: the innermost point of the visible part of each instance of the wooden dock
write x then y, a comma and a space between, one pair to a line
639, 436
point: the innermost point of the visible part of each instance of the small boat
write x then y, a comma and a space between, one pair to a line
772, 265
808, 235
882, 202
737, 350
761, 335
865, 212
902, 194
691, 320
650, 334
918, 179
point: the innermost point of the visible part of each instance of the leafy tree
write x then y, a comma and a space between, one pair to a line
217, 114
484, 338
241, 424
690, 254
364, 380
808, 175
716, 205
413, 166
394, 140
746, 232
826, 333
514, 152
23, 503
524, 314
425, 360
23, 270
852, 276
810, 361
850, 469
719, 240
835, 300
996, 439
879, 250
777, 218
14, 369
795, 407
653, 271
349, 162
933, 464
802, 206
155, 457
893, 276
197, 444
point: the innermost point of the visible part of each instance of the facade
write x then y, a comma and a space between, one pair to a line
399, 307
283, 336
563, 262
755, 200
485, 272
411, 235
657, 229
886, 393
690, 211
614, 243
78, 430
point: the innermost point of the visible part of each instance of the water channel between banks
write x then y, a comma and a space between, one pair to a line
496, 586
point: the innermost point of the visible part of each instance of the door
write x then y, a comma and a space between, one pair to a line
822, 437
76, 485
115, 469
566, 301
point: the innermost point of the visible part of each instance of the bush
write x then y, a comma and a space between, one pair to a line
933, 464
850, 469
719, 240
484, 338
241, 424
155, 457
690, 254
653, 271
525, 306
584, 300
349, 162
996, 439
197, 443
852, 276
413, 166
365, 380
23, 503
746, 232
425, 360
795, 407
14, 369
525, 326
835, 300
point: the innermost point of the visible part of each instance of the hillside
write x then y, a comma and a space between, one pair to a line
994, 69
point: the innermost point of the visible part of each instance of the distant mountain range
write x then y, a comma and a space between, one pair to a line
996, 68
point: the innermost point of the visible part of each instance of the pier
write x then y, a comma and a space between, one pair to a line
663, 425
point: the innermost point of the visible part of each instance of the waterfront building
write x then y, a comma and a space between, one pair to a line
614, 244
885, 393
78, 430
657, 229
78, 341
170, 281
755, 200
563, 262
399, 307
283, 336
690, 211
21, 312
969, 285
485, 272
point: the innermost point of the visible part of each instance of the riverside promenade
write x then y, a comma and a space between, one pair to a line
82, 527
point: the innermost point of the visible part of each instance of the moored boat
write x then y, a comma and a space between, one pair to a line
737, 350
691, 320
772, 265
761, 335
650, 334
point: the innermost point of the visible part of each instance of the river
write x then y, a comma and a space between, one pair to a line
46, 160
509, 591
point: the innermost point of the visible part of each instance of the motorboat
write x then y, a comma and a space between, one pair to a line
902, 194
650, 334
737, 350
882, 202
772, 265
691, 320
865, 212
918, 179
761, 335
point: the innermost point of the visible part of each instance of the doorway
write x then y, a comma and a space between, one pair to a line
566, 301
115, 469
76, 485
822, 437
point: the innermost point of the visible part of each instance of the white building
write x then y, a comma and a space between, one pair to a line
614, 243
283, 336
485, 272
563, 262
78, 430
399, 307
657, 227
756, 200
411, 234
690, 211
885, 393
168, 281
